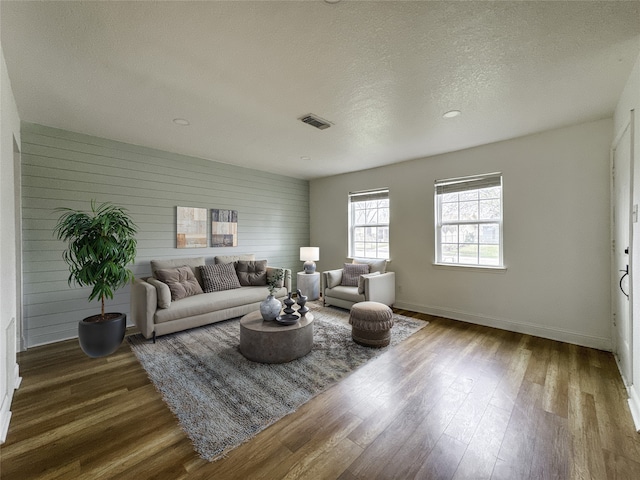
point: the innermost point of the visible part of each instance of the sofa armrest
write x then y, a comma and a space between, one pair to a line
381, 288
287, 276
329, 279
144, 302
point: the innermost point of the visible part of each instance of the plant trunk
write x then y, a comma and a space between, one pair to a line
102, 313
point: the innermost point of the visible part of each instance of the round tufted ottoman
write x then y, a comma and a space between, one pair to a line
371, 324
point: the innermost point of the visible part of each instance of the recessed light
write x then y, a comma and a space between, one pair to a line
181, 121
451, 114
331, 1
305, 158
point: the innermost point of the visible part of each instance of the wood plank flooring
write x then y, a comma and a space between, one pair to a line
454, 401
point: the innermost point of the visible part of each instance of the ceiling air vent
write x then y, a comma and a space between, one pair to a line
315, 121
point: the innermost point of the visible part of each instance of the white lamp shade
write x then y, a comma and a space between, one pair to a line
309, 254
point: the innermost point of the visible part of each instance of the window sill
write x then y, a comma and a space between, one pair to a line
369, 258
476, 268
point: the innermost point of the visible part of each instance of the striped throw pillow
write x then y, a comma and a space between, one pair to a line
351, 272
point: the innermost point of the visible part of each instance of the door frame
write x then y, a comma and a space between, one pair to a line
615, 275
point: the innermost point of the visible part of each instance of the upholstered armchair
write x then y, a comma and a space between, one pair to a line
363, 280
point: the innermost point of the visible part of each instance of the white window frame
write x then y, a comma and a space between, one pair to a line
365, 196
467, 184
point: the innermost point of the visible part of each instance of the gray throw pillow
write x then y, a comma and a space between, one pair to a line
334, 278
216, 278
181, 282
271, 271
351, 273
193, 262
252, 273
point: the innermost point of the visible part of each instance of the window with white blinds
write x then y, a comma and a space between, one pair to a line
369, 224
469, 220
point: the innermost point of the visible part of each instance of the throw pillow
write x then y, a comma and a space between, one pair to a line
351, 272
163, 292
193, 262
375, 265
216, 278
252, 273
233, 258
272, 271
181, 281
361, 281
334, 278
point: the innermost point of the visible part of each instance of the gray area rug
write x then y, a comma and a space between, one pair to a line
222, 399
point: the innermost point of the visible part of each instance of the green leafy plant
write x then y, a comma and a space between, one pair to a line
274, 279
101, 244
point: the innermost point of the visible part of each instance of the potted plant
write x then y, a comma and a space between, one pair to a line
271, 306
101, 244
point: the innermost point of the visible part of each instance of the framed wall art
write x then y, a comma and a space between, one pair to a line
224, 228
191, 227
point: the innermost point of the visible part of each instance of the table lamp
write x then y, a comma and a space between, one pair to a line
309, 255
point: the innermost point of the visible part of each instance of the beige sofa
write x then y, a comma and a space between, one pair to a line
377, 285
155, 314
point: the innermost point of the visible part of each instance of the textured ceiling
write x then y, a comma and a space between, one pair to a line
382, 72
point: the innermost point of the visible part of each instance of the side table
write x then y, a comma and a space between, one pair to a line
309, 284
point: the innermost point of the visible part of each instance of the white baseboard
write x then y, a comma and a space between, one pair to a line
600, 343
5, 418
634, 405
5, 412
17, 379
633, 399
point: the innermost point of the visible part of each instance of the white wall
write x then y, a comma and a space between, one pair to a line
630, 100
9, 136
67, 169
556, 234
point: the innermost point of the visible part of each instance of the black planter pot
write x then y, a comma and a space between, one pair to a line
99, 339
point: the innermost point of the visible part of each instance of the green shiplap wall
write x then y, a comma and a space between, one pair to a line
66, 169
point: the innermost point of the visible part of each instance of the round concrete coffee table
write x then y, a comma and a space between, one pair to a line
270, 342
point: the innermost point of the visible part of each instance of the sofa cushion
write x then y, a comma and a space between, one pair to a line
349, 294
351, 272
375, 264
233, 258
219, 277
163, 292
252, 273
181, 281
214, 302
193, 262
361, 280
